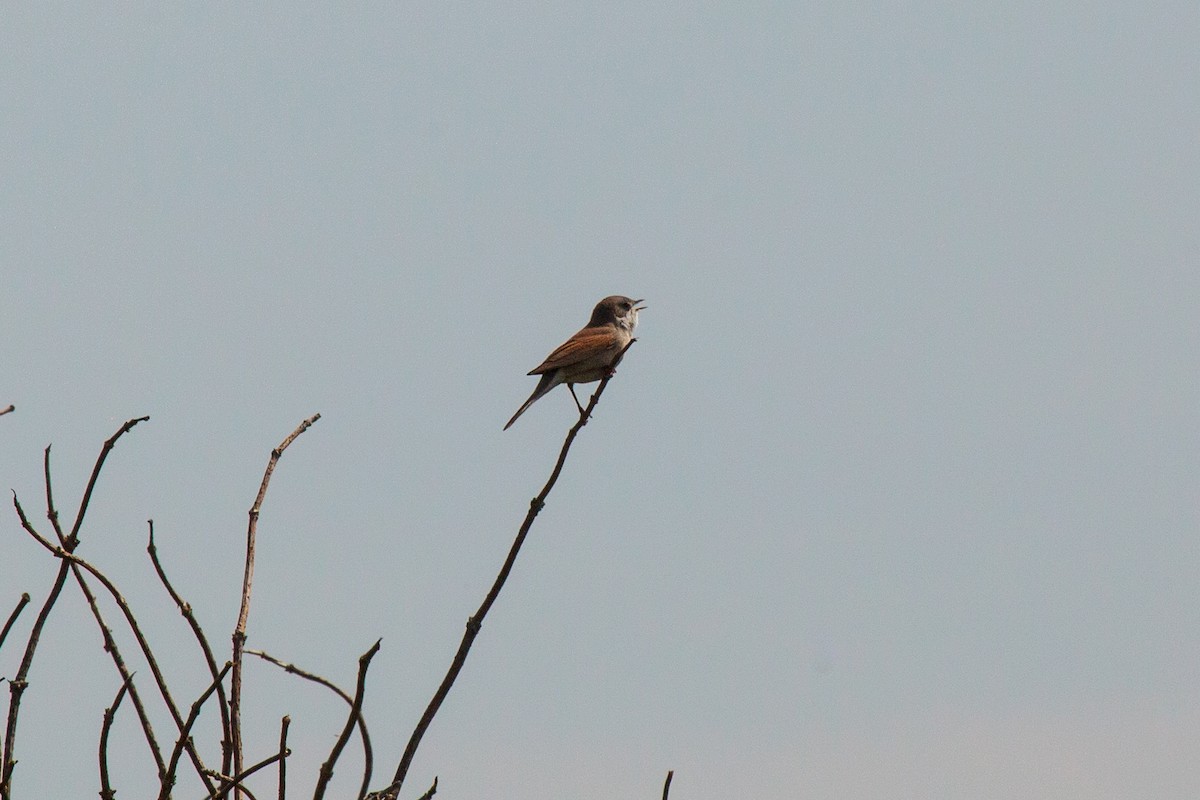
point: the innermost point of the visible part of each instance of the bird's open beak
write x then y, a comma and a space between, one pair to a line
636, 307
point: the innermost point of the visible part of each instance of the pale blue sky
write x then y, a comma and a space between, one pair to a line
896, 496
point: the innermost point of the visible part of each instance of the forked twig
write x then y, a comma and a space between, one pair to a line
234, 782
114, 651
368, 753
475, 622
185, 741
364, 662
17, 685
110, 643
239, 632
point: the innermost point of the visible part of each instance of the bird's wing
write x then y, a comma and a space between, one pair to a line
586, 344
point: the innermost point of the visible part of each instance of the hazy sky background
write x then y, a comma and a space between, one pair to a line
896, 496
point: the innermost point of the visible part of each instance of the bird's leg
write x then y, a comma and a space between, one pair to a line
578, 405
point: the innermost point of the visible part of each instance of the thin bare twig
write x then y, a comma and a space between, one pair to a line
239, 632
475, 622
110, 713
184, 740
364, 662
368, 753
110, 644
667, 784
431, 791
283, 731
186, 610
228, 784
51, 509
87, 493
12, 618
235, 782
21, 681
16, 686
11, 408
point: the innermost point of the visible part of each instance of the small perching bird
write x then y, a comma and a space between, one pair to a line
588, 355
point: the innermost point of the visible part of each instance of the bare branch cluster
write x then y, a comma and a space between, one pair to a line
225, 774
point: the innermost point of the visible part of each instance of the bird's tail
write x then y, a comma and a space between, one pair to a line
544, 385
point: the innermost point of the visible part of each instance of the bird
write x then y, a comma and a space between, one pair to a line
590, 354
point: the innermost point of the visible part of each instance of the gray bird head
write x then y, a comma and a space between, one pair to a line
616, 310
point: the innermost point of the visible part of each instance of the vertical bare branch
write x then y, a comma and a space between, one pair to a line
51, 510
283, 731
368, 753
12, 618
110, 713
239, 632
364, 662
667, 784
18, 684
186, 610
475, 622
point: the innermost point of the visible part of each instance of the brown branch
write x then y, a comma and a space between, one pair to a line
235, 782
283, 732
431, 791
12, 618
364, 662
229, 783
87, 493
110, 713
184, 740
368, 753
667, 784
475, 622
239, 632
110, 644
11, 408
51, 510
16, 686
21, 681
186, 610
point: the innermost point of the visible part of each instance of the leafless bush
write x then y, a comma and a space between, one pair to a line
221, 767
